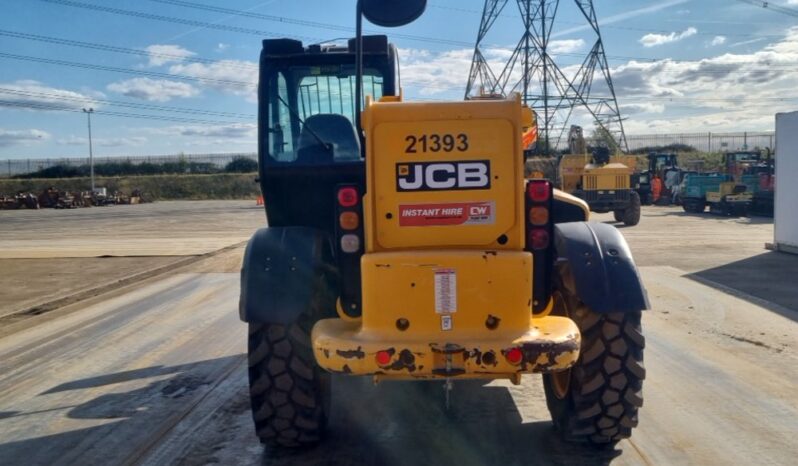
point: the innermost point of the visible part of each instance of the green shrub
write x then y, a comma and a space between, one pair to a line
154, 187
241, 165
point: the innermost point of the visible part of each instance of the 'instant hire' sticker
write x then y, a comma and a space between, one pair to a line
458, 213
445, 291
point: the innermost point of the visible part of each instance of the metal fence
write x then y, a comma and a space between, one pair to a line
706, 142
12, 167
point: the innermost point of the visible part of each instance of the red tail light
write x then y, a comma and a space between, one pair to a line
383, 357
347, 197
539, 238
538, 190
514, 356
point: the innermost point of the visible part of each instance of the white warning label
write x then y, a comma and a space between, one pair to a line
445, 291
446, 322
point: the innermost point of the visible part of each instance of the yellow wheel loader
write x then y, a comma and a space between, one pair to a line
404, 243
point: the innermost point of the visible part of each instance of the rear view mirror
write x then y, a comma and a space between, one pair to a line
392, 13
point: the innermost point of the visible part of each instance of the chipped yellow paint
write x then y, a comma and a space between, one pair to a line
549, 344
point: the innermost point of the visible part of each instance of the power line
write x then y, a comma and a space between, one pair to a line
433, 40
110, 48
140, 106
37, 106
627, 28
225, 64
302, 22
772, 7
280, 19
180, 58
171, 19
244, 84
226, 82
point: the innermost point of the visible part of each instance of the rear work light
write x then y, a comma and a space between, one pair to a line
347, 197
539, 238
538, 190
349, 220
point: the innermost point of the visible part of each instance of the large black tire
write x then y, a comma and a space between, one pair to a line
597, 400
631, 215
645, 196
618, 214
289, 392
695, 206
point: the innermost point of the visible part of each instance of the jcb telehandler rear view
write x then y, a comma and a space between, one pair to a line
404, 243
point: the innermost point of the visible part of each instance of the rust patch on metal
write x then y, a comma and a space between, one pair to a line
406, 360
487, 358
351, 354
453, 372
533, 350
448, 348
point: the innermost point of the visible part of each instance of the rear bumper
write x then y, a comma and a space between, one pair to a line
549, 344
605, 201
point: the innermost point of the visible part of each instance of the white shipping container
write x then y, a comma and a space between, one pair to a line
786, 208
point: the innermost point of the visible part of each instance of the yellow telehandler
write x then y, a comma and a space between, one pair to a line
404, 243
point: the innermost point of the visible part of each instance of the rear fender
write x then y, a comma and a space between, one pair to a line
596, 265
287, 271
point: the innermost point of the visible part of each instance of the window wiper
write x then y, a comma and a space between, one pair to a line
326, 145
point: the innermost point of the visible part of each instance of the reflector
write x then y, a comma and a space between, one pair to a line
514, 356
538, 216
348, 220
539, 238
538, 190
347, 197
383, 358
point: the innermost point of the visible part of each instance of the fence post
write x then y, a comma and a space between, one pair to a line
709, 141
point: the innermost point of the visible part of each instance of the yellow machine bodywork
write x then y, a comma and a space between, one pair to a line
446, 282
578, 172
726, 192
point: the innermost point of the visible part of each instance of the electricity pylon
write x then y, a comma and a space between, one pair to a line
532, 71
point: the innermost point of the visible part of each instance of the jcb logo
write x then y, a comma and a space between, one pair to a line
434, 176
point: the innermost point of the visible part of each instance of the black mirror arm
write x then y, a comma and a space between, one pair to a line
359, 71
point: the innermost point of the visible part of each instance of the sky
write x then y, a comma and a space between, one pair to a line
167, 77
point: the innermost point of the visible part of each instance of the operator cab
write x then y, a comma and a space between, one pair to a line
308, 143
